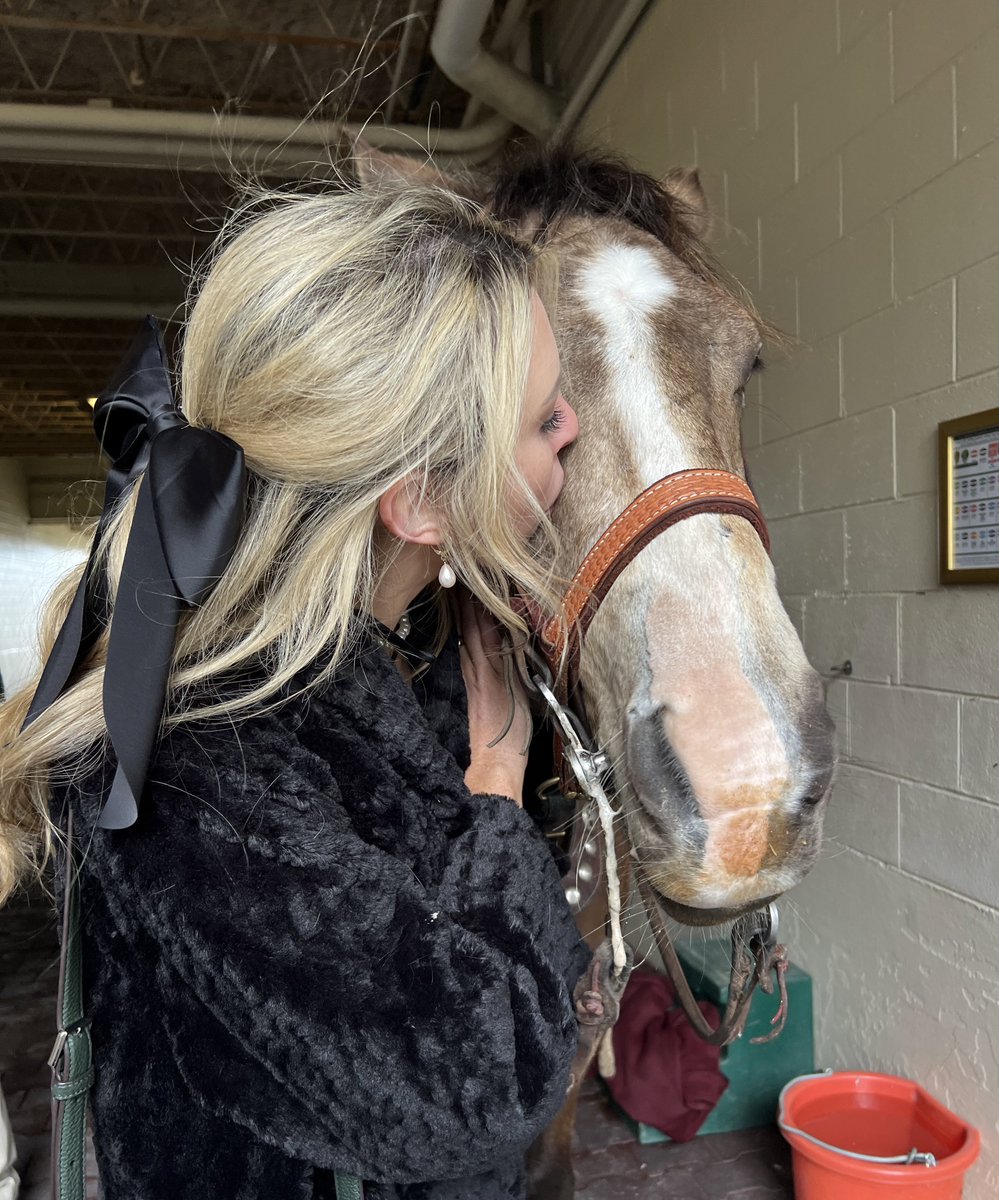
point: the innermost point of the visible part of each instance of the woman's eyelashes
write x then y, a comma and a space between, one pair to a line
554, 421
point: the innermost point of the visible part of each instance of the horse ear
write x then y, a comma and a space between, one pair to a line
375, 168
684, 185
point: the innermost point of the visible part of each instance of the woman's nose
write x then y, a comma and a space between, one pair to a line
570, 427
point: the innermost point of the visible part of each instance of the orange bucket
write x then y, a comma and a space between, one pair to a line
861, 1136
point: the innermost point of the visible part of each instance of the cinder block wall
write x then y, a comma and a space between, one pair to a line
32, 560
850, 149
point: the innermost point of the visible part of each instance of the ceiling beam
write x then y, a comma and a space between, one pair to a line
77, 290
201, 33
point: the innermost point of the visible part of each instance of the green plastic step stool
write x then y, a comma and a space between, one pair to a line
755, 1074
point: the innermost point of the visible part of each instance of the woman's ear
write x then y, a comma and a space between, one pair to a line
408, 514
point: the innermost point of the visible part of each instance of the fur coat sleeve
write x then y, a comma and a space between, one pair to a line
354, 959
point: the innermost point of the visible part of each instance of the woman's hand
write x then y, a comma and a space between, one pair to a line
499, 719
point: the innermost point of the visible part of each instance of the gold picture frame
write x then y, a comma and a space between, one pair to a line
968, 450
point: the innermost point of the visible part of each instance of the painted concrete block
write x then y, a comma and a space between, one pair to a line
739, 251
980, 748
743, 33
838, 704
808, 553
892, 547
910, 144
916, 427
803, 221
978, 315
776, 469
948, 224
33, 559
863, 814
849, 462
728, 117
900, 351
760, 168
928, 33
778, 302
978, 94
798, 51
846, 282
951, 840
860, 629
856, 17
801, 390
840, 104
739, 88
950, 639
905, 732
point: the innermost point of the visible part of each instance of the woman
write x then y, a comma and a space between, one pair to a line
320, 934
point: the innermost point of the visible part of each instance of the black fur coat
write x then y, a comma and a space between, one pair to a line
317, 951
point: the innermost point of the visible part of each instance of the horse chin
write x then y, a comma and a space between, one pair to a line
687, 915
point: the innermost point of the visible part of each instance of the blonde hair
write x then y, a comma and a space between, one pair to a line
346, 341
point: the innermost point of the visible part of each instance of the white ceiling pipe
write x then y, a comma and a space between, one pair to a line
76, 133
82, 306
506, 31
456, 45
630, 14
163, 153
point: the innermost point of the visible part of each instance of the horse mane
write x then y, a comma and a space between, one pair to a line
560, 181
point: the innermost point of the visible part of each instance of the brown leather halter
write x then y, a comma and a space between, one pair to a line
668, 501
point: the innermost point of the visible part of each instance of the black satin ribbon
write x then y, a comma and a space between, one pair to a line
187, 520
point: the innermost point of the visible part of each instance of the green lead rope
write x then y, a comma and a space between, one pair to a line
70, 1060
72, 1064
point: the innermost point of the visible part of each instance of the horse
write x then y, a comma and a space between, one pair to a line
691, 675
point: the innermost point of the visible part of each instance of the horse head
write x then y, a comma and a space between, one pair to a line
693, 677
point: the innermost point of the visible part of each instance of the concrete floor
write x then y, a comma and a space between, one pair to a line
610, 1163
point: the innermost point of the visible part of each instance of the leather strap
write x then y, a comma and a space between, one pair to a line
668, 501
754, 956
71, 1059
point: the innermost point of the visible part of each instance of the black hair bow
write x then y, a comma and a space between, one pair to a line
187, 521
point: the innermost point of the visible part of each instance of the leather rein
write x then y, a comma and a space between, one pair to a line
554, 675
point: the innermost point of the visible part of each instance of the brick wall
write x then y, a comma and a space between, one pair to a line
32, 559
851, 152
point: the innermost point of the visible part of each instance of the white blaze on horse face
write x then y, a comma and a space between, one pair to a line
622, 286
707, 685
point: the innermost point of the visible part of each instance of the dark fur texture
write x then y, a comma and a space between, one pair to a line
561, 182
317, 951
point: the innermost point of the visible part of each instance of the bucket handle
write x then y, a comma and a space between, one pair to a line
913, 1157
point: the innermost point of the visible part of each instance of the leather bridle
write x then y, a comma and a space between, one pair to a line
674, 498
670, 500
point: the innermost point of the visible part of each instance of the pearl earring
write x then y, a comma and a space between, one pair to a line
446, 576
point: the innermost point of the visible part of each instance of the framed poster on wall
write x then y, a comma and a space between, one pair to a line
969, 498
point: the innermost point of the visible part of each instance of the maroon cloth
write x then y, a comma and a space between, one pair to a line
666, 1075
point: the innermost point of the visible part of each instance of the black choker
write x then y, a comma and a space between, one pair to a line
396, 638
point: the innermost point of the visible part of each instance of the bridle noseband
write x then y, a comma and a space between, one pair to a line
554, 675
670, 500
